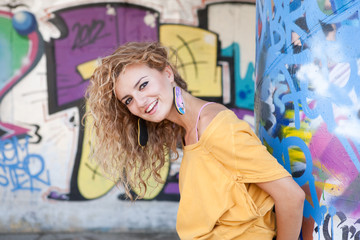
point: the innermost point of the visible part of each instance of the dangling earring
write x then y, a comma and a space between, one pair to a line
142, 132
178, 100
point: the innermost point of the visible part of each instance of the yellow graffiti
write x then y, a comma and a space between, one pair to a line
331, 188
196, 60
91, 182
86, 69
295, 153
153, 188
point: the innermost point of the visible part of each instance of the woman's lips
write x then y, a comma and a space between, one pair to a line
152, 107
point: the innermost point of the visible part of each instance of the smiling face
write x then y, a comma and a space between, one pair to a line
146, 92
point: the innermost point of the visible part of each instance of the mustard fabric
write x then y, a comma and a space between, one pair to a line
219, 199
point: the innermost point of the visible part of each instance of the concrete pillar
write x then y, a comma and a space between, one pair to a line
307, 105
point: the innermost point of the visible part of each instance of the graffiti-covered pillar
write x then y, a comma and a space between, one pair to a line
307, 105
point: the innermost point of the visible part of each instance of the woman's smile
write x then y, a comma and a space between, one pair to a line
151, 109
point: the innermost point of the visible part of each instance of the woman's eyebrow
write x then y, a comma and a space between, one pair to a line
136, 84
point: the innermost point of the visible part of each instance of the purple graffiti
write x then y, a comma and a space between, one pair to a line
88, 33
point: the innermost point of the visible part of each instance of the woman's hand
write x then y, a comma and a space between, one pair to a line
289, 202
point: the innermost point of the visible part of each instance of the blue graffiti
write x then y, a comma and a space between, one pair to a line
19, 169
281, 153
244, 87
309, 57
300, 97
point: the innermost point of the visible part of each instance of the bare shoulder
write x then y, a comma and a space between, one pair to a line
212, 110
208, 114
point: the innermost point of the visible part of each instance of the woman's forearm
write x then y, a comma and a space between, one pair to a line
289, 218
289, 202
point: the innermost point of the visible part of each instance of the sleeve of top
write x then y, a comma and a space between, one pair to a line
240, 151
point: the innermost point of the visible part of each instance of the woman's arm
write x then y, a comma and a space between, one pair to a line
289, 201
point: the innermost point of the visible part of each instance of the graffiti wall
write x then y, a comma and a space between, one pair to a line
307, 106
48, 50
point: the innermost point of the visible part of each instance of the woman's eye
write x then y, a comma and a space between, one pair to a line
142, 86
128, 101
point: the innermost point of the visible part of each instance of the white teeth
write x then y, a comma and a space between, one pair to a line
151, 107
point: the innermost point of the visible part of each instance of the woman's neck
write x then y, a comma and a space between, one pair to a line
192, 108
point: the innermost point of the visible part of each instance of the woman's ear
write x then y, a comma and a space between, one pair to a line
169, 73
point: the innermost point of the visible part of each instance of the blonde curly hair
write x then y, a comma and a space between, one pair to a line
114, 139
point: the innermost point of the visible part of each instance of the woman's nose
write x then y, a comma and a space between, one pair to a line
140, 100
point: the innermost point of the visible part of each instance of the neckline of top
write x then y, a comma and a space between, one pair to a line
205, 132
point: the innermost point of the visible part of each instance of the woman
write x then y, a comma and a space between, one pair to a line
228, 182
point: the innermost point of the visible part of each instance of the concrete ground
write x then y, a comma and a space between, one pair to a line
91, 236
